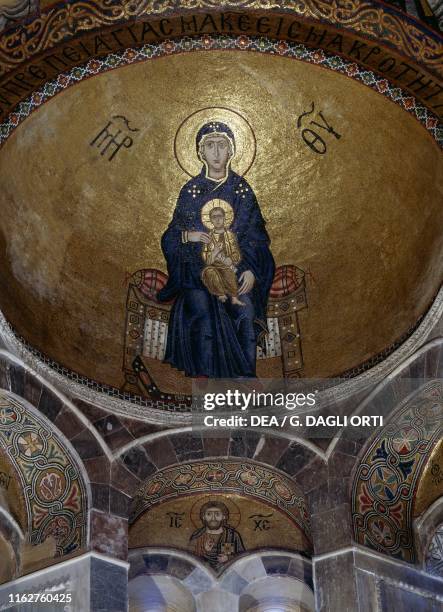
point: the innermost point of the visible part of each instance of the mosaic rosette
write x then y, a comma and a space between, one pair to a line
387, 478
54, 490
8, 416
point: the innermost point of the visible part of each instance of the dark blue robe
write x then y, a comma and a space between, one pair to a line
207, 337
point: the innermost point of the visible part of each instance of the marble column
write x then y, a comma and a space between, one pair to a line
90, 583
356, 579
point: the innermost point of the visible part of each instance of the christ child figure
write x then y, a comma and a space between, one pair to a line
221, 256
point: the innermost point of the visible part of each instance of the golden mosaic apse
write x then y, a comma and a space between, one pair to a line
350, 186
218, 510
178, 524
430, 487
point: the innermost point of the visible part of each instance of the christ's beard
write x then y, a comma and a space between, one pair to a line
213, 524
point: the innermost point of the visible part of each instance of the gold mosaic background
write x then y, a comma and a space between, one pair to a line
157, 527
11, 495
364, 220
430, 486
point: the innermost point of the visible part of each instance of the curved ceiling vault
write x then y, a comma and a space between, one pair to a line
44, 487
397, 479
343, 161
261, 508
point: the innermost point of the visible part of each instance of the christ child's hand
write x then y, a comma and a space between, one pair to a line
217, 252
214, 254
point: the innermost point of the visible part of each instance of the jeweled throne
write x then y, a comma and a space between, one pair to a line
147, 320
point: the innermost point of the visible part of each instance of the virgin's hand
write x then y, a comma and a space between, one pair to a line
198, 237
247, 280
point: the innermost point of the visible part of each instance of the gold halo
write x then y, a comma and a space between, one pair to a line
216, 203
234, 511
185, 139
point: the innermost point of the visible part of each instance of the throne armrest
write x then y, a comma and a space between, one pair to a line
148, 283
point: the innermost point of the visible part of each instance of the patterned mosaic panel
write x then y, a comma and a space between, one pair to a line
434, 554
227, 477
241, 43
386, 480
370, 19
54, 490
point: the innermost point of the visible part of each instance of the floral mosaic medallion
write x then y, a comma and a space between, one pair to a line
55, 491
386, 481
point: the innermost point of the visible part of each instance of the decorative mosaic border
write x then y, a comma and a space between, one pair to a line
54, 490
376, 359
371, 19
385, 483
350, 374
204, 43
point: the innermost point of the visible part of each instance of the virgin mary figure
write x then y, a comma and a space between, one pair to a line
208, 336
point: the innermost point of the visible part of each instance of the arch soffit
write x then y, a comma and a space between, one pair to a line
50, 472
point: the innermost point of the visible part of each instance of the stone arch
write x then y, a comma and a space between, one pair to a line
387, 477
135, 463
252, 582
105, 504
22, 381
285, 594
433, 560
11, 543
372, 397
264, 564
428, 530
160, 593
52, 478
175, 563
261, 508
143, 457
158, 569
